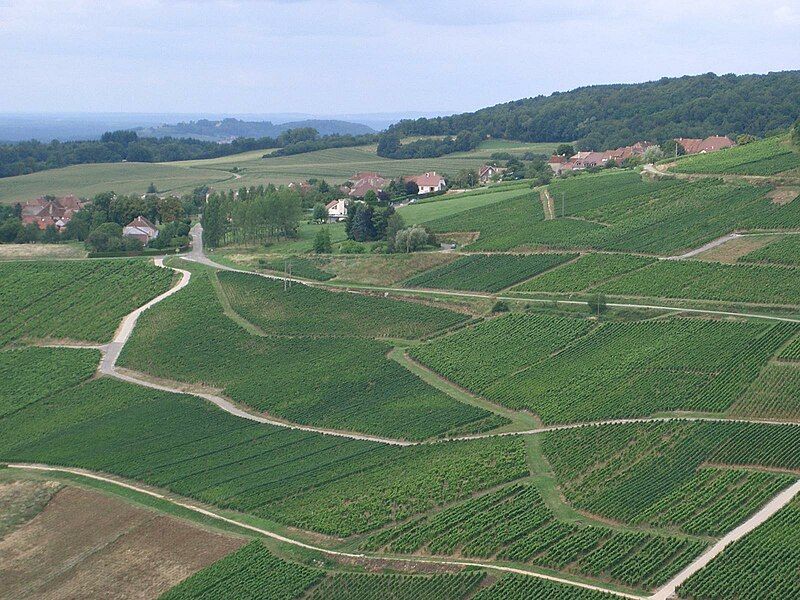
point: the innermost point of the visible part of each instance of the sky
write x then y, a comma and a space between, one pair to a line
329, 57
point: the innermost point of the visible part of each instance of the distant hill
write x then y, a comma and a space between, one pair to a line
607, 116
229, 129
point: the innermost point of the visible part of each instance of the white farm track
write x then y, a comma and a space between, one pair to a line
108, 366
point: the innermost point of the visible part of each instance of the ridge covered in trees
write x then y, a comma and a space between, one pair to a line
607, 116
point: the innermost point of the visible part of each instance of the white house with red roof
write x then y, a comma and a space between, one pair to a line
337, 210
486, 172
428, 183
141, 229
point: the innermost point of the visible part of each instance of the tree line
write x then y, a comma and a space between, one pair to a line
608, 116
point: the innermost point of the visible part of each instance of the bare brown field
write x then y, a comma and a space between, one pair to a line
734, 249
85, 544
21, 500
783, 195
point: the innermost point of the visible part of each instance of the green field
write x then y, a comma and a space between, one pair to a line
765, 157
763, 564
515, 524
555, 369
699, 280
487, 272
82, 300
660, 474
783, 251
311, 376
615, 210
335, 165
445, 206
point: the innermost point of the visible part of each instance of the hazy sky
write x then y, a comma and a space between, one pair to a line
327, 57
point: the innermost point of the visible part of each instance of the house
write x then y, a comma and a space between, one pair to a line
556, 162
141, 229
486, 172
50, 211
709, 144
337, 210
428, 183
303, 187
366, 181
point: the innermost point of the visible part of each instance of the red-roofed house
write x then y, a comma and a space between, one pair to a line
44, 212
486, 172
557, 162
427, 183
709, 144
141, 229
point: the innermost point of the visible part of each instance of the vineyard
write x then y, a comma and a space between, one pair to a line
660, 475
79, 300
304, 310
519, 587
589, 271
774, 395
487, 272
297, 266
515, 524
764, 157
324, 483
783, 251
348, 586
761, 565
557, 369
336, 382
250, 573
763, 284
625, 215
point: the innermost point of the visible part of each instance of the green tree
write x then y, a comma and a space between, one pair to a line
50, 235
371, 197
565, 150
466, 178
151, 189
394, 224
169, 209
322, 241
106, 238
320, 213
411, 239
213, 222
597, 304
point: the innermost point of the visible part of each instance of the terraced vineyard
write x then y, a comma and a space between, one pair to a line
761, 565
515, 524
487, 272
589, 271
82, 300
304, 310
765, 157
564, 373
660, 475
783, 251
710, 281
774, 395
336, 382
625, 215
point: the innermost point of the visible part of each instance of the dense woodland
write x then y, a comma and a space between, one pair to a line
607, 116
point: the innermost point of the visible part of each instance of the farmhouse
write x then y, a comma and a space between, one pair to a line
556, 162
588, 159
337, 210
702, 146
51, 211
486, 172
427, 183
141, 229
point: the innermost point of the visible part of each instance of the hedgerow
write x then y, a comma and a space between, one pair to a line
487, 272
80, 300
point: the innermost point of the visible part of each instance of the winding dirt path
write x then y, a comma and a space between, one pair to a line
208, 513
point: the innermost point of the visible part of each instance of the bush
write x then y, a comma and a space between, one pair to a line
500, 306
352, 247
